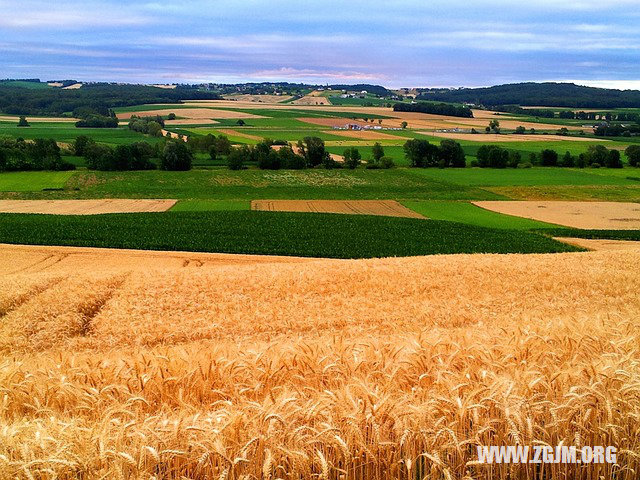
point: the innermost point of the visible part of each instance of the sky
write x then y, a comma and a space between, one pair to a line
402, 43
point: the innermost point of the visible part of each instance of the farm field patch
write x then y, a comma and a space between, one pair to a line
537, 176
164, 350
585, 215
85, 207
33, 181
270, 233
496, 138
389, 208
223, 184
468, 213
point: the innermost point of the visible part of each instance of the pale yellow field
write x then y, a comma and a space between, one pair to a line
259, 98
127, 365
192, 114
589, 215
498, 138
85, 207
388, 208
6, 118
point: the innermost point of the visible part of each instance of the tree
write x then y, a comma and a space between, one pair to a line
223, 145
404, 125
613, 159
241, 123
377, 152
568, 161
521, 130
236, 158
549, 158
494, 125
564, 131
171, 116
597, 154
291, 160
633, 155
22, 122
352, 158
80, 145
492, 156
176, 156
451, 154
514, 159
421, 153
314, 152
213, 154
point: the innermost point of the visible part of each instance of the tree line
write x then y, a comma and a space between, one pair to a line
99, 98
435, 109
538, 94
310, 152
39, 154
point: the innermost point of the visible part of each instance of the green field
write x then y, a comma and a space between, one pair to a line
467, 213
223, 184
273, 233
490, 177
66, 132
33, 181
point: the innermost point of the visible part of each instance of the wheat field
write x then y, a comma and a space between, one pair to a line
192, 366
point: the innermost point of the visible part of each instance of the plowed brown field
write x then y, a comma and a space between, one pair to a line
85, 207
389, 208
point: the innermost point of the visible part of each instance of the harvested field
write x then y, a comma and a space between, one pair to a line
85, 207
366, 134
128, 373
314, 98
75, 86
269, 99
601, 244
173, 135
235, 133
388, 208
497, 138
192, 114
587, 215
165, 86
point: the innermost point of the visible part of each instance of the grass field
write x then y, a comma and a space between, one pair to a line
67, 133
33, 181
223, 184
490, 177
272, 233
470, 214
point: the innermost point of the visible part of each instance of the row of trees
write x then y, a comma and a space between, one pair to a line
171, 155
494, 156
435, 109
148, 125
39, 154
309, 152
423, 154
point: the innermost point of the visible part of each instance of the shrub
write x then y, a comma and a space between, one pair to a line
525, 165
387, 163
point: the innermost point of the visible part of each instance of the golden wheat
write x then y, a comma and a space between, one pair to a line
372, 369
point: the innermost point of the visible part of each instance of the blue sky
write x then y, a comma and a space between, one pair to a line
395, 43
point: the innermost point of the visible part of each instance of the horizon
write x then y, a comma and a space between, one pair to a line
400, 46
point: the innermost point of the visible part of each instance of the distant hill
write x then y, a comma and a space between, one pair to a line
538, 94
